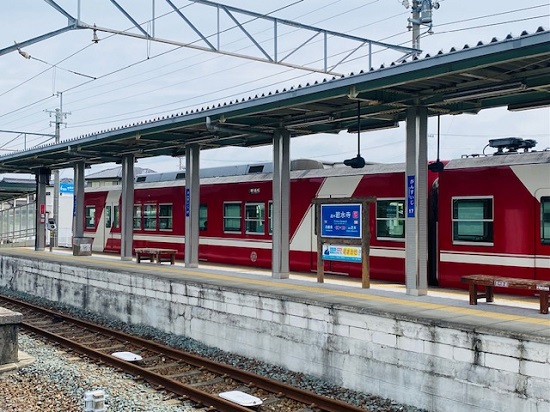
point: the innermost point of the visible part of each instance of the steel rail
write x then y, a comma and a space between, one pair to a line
323, 403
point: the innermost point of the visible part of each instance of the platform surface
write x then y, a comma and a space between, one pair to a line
509, 313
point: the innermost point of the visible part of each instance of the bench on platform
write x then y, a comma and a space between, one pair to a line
156, 255
489, 282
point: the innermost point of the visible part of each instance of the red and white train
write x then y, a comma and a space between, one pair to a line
487, 215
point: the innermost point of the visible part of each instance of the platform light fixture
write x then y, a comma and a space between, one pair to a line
482, 92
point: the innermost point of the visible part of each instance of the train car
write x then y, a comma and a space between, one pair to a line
488, 215
494, 217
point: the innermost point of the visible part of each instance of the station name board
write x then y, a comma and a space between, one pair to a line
341, 220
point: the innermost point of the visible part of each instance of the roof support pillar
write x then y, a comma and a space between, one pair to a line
42, 180
78, 213
192, 204
281, 204
127, 232
416, 197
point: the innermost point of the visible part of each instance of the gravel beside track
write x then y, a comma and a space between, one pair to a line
364, 400
57, 381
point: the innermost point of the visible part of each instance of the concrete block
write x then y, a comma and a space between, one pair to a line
453, 337
386, 339
535, 369
416, 331
408, 344
500, 345
297, 321
463, 355
505, 363
9, 347
536, 351
440, 350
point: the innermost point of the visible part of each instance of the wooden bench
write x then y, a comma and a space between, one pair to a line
156, 255
489, 282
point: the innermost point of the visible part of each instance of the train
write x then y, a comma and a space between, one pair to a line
486, 215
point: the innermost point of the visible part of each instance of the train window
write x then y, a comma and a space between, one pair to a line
545, 220
165, 217
90, 217
108, 220
473, 220
232, 217
150, 217
390, 219
137, 217
116, 217
203, 217
254, 220
256, 169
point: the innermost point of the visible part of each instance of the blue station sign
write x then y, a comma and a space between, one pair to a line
411, 187
66, 188
341, 220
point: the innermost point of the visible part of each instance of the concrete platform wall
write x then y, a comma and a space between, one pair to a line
433, 366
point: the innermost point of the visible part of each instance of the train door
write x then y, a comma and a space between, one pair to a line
111, 227
108, 227
542, 234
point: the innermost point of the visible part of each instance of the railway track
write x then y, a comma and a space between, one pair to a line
165, 368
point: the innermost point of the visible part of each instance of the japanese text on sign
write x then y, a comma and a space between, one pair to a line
187, 201
341, 220
342, 253
410, 195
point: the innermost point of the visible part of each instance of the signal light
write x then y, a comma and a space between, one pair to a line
356, 163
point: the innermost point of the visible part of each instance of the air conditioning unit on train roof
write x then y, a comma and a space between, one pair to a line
511, 144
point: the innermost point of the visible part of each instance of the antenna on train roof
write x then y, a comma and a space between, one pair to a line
511, 144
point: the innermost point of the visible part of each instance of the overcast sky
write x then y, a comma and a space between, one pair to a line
120, 80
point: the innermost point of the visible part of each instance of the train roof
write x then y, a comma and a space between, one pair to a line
223, 171
507, 159
310, 169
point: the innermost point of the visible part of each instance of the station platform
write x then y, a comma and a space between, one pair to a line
436, 352
511, 313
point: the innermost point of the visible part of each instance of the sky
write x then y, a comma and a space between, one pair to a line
119, 80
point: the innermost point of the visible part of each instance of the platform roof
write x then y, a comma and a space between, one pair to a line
513, 72
12, 188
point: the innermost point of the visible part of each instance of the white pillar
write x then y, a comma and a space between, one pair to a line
192, 204
416, 198
127, 226
281, 204
78, 204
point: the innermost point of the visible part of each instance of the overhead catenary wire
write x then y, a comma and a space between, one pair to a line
218, 99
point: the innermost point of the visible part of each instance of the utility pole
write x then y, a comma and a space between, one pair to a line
421, 16
59, 115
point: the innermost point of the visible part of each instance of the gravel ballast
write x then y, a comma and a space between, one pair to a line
364, 400
58, 380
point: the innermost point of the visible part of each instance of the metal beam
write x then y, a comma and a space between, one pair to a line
233, 13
